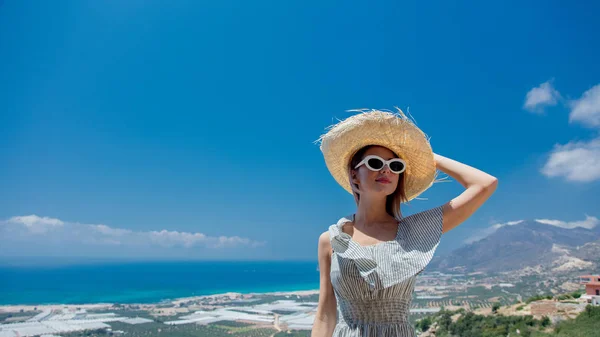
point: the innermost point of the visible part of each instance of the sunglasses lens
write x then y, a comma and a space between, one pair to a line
375, 163
396, 166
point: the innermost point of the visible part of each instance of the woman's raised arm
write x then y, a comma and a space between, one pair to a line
479, 187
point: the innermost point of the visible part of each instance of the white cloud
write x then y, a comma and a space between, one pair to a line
36, 224
33, 228
575, 161
110, 231
589, 222
224, 241
540, 97
587, 108
172, 238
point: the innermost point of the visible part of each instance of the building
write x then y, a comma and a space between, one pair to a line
592, 284
592, 288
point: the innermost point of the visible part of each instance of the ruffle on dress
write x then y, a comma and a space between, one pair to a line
391, 262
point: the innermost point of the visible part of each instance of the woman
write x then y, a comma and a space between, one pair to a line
369, 261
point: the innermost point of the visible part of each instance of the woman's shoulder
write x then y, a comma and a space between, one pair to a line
324, 244
325, 237
332, 232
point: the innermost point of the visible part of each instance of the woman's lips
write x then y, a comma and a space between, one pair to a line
383, 180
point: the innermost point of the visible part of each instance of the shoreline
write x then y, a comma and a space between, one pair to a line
10, 308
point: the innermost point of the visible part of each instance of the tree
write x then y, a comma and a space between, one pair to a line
495, 307
445, 321
545, 321
592, 311
424, 324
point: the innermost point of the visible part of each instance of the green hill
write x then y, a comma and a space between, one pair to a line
468, 324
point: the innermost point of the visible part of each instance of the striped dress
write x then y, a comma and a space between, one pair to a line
373, 284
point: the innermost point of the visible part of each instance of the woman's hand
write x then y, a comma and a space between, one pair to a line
478, 184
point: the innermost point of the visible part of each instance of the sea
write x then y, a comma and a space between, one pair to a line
149, 282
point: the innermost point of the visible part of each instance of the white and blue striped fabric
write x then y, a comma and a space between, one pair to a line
373, 284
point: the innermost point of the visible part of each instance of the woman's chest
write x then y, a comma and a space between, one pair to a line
349, 279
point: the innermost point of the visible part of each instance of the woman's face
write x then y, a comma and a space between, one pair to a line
382, 182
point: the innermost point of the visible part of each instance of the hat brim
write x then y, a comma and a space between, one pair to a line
391, 130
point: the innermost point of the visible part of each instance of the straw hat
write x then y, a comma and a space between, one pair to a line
394, 131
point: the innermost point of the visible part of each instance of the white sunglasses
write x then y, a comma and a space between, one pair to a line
376, 163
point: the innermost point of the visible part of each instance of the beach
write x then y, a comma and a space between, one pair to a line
176, 302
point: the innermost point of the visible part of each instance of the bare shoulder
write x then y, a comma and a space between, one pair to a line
324, 237
324, 244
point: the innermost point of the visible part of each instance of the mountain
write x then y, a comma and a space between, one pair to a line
590, 252
527, 244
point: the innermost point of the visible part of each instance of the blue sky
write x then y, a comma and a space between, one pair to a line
147, 129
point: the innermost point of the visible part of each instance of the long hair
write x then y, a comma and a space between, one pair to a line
393, 201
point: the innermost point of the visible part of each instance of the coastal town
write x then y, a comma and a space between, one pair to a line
289, 312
